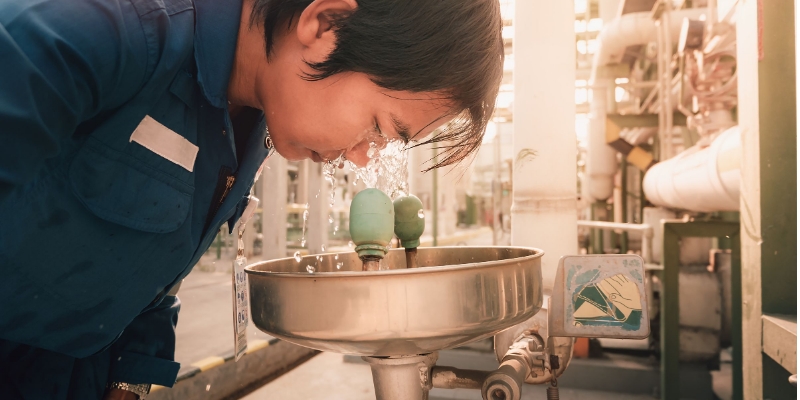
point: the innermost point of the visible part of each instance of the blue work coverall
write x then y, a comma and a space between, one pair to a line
98, 223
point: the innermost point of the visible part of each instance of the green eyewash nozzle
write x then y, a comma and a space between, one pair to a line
409, 221
371, 223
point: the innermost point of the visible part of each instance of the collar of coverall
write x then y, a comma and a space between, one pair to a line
216, 31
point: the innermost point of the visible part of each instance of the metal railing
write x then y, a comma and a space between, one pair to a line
645, 229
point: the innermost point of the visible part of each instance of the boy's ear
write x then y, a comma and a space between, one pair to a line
315, 28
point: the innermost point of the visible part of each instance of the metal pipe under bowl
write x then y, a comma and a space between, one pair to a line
457, 295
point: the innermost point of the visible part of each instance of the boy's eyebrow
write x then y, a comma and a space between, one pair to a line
401, 128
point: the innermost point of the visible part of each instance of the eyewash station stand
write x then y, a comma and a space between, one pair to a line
397, 308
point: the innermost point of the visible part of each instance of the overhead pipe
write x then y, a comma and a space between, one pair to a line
628, 30
702, 178
645, 229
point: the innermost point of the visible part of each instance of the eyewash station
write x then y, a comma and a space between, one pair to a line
397, 308
685, 118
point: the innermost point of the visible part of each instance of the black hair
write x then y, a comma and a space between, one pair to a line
448, 47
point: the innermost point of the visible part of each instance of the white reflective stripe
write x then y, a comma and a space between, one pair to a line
161, 140
249, 211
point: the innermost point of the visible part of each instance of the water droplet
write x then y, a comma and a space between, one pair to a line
310, 269
351, 244
297, 256
319, 258
373, 150
330, 219
322, 247
303, 242
208, 387
421, 214
305, 215
336, 257
339, 265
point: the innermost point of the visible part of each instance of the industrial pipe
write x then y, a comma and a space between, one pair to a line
627, 30
506, 382
544, 113
401, 378
645, 229
703, 179
455, 378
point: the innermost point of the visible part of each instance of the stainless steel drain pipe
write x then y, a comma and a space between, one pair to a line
402, 378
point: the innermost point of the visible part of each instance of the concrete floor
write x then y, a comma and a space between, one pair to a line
328, 377
205, 323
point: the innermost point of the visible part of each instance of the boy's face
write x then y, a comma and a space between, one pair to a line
343, 114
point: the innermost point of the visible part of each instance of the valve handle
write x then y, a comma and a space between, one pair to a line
409, 221
371, 222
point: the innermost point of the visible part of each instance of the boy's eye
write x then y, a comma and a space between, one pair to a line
402, 132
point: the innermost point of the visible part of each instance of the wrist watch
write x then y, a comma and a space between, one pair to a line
139, 389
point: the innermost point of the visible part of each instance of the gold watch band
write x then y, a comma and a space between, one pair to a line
139, 389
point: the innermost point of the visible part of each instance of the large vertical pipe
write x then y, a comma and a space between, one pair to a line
601, 162
544, 201
274, 187
608, 9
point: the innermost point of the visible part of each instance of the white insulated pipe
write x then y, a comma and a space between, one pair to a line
627, 30
634, 29
601, 160
274, 187
703, 179
545, 194
645, 229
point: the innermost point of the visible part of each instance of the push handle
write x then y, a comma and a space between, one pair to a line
371, 223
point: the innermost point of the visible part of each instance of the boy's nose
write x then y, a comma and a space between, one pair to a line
358, 154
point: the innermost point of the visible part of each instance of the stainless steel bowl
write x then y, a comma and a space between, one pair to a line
456, 296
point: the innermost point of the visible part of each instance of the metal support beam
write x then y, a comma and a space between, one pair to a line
435, 192
624, 204
780, 340
670, 328
767, 115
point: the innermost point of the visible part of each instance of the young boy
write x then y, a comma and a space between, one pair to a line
132, 130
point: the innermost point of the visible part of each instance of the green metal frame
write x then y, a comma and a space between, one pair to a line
596, 241
623, 165
435, 191
670, 342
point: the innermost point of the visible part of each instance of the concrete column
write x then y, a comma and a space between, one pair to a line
544, 210
609, 9
318, 209
274, 186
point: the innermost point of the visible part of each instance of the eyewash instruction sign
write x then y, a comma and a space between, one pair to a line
600, 296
